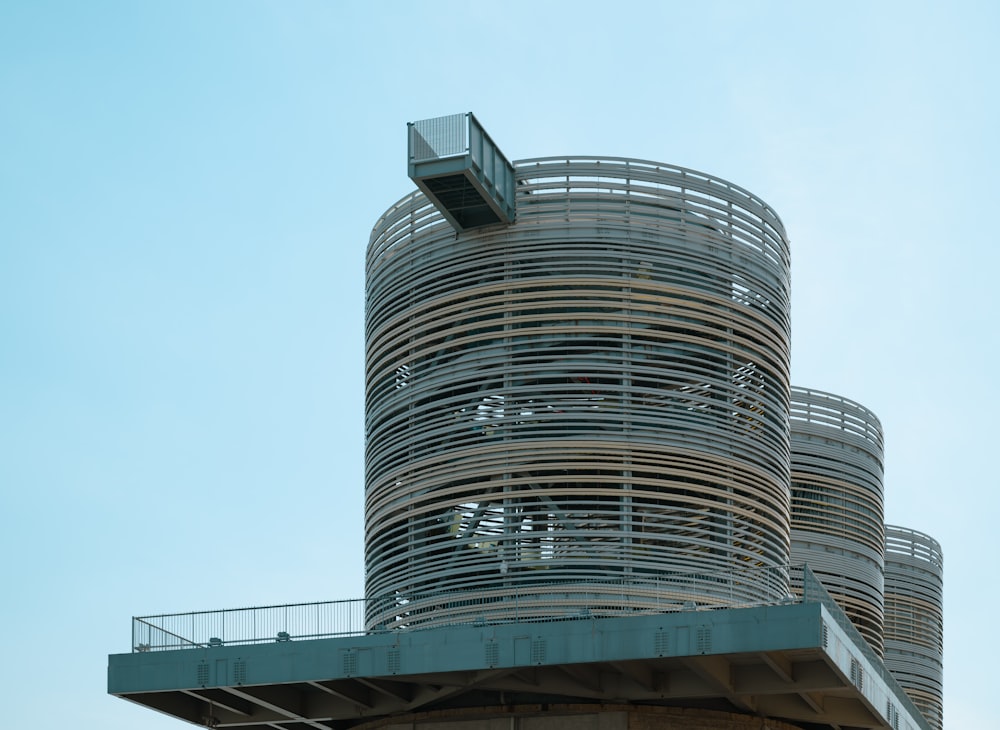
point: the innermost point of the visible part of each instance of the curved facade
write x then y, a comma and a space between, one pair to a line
914, 618
837, 503
595, 394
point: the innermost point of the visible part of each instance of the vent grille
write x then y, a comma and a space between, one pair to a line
202, 674
661, 643
704, 639
826, 637
538, 651
857, 674
393, 660
892, 714
240, 671
492, 654
350, 662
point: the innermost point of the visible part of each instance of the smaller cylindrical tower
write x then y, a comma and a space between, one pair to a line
914, 618
837, 503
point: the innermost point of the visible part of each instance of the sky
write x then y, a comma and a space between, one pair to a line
187, 188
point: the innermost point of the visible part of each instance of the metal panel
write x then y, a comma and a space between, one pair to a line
432, 139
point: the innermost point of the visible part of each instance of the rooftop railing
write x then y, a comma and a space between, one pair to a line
330, 619
538, 602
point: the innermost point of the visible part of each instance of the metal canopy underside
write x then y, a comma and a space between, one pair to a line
459, 196
790, 662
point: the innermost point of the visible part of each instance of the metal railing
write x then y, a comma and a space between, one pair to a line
248, 625
330, 619
538, 602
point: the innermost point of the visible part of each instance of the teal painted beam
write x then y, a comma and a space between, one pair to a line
471, 648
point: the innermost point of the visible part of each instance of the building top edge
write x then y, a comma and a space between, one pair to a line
904, 541
522, 165
589, 166
814, 396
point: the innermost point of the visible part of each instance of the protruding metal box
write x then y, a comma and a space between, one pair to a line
455, 163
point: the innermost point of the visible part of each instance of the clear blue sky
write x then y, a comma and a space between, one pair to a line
186, 193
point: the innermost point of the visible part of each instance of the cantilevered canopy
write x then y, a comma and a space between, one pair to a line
460, 169
792, 662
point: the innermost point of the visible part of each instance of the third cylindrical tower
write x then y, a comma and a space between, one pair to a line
914, 618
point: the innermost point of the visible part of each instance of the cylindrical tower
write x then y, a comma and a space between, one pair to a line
837, 503
914, 618
594, 395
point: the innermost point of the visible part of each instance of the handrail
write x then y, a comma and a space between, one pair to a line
538, 602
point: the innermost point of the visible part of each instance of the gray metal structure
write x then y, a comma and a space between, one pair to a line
802, 662
455, 163
596, 392
838, 502
577, 483
914, 618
